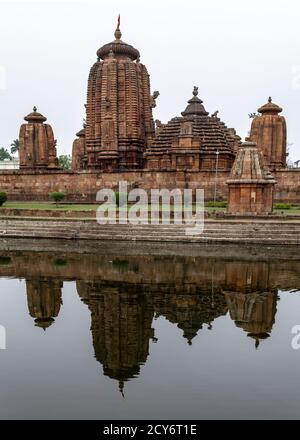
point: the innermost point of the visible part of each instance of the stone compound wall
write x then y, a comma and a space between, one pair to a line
83, 186
287, 189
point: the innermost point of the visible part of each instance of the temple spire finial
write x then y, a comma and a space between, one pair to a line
195, 91
121, 388
34, 109
118, 33
270, 99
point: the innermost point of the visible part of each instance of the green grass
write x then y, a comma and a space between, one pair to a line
282, 206
293, 210
222, 204
49, 206
61, 206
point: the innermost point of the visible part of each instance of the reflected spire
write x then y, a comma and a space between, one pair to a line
44, 298
121, 388
121, 328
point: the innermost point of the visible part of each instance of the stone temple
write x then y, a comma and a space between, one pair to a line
268, 130
192, 140
119, 121
121, 141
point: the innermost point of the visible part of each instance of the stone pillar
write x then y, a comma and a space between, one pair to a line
268, 130
250, 185
37, 143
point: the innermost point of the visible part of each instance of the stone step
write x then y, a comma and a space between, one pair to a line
140, 237
208, 226
214, 232
149, 230
146, 228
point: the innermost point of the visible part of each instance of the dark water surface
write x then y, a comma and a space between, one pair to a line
148, 336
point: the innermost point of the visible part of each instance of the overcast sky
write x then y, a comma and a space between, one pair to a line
238, 53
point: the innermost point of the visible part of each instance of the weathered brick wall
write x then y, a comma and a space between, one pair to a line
287, 189
83, 186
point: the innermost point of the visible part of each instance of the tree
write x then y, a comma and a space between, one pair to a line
57, 196
65, 161
15, 146
4, 154
3, 198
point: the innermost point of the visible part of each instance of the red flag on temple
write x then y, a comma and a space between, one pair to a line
118, 22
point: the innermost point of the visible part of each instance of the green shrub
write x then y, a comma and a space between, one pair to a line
3, 198
57, 196
60, 262
4, 261
217, 204
282, 206
121, 265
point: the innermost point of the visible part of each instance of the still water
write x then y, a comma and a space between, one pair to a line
140, 336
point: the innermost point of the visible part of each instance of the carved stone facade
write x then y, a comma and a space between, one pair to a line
119, 108
195, 141
37, 143
250, 184
269, 131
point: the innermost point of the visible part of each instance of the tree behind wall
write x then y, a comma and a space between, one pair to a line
15, 146
4, 154
65, 161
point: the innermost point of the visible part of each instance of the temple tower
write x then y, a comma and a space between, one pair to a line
268, 130
250, 184
119, 108
37, 143
79, 158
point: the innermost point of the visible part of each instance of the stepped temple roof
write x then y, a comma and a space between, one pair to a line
213, 133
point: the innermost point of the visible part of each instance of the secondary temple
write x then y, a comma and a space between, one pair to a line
268, 130
194, 141
37, 143
250, 185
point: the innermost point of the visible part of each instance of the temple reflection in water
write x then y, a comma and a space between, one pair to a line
44, 298
121, 327
124, 295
